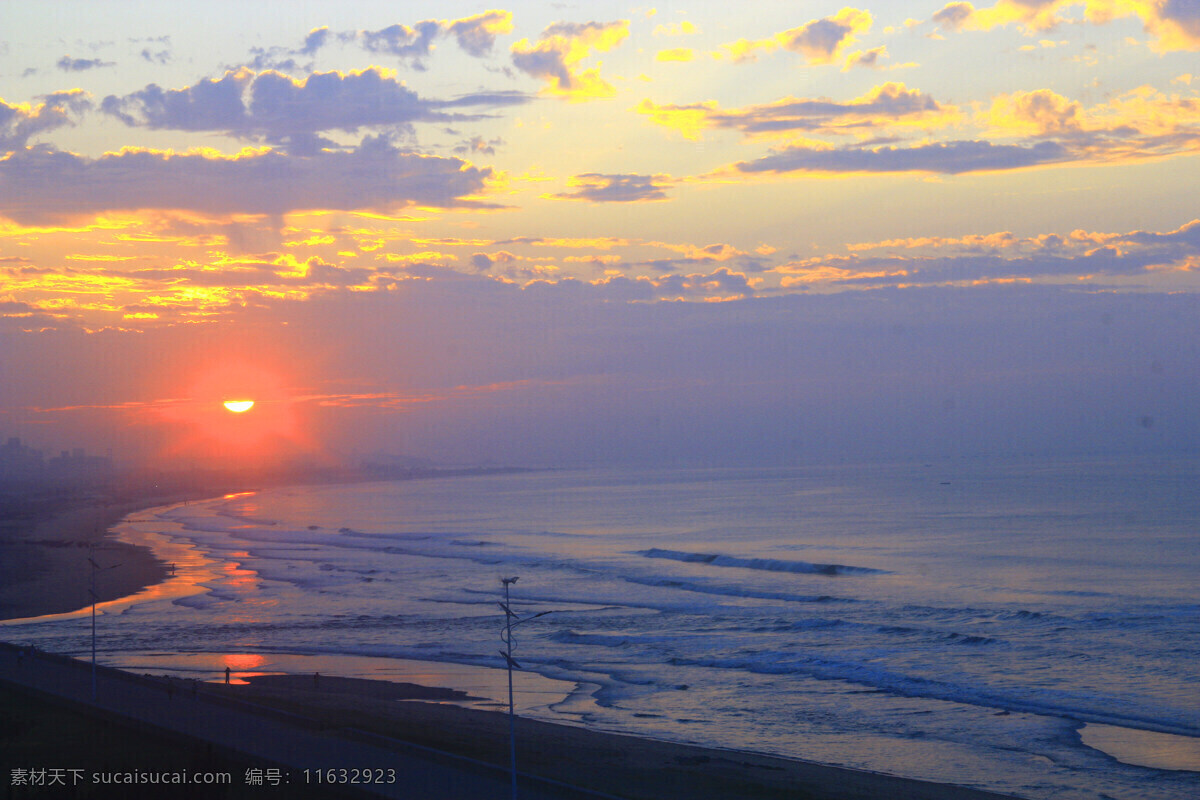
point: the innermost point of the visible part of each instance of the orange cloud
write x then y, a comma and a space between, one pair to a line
889, 104
556, 57
1140, 123
1039, 112
820, 41
689, 120
1173, 26
684, 28
973, 241
815, 272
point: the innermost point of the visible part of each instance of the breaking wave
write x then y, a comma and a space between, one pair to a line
766, 564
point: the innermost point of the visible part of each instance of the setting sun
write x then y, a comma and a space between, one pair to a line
236, 411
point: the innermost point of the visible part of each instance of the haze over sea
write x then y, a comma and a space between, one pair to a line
959, 622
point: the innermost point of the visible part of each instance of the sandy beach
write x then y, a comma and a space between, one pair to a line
44, 554
45, 571
624, 766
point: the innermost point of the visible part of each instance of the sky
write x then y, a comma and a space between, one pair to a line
600, 233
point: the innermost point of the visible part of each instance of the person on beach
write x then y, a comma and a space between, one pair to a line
227, 676
316, 680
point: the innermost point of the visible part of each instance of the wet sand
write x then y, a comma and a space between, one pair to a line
44, 565
620, 765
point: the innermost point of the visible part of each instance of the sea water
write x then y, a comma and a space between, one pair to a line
1025, 627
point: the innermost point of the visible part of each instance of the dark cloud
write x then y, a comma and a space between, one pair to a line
274, 106
1186, 237
1185, 14
316, 39
42, 184
720, 283
821, 36
332, 101
68, 64
156, 57
820, 41
475, 35
884, 104
949, 158
275, 58
18, 124
285, 58
413, 43
496, 98
477, 144
1003, 257
599, 188
869, 59
154, 49
209, 105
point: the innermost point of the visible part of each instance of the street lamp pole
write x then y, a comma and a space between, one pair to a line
511, 620
92, 591
512, 714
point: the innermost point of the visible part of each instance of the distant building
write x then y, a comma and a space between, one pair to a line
77, 467
21, 465
18, 462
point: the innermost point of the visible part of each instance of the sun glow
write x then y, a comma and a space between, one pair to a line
237, 412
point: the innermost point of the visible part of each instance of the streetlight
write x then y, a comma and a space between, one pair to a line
511, 620
92, 591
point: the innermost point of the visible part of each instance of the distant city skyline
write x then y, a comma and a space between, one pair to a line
23, 464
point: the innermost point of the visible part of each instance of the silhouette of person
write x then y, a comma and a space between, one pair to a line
316, 680
227, 675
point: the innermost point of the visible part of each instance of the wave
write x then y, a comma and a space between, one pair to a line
1097, 708
767, 564
950, 637
735, 591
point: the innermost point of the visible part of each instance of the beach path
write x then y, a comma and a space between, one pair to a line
268, 738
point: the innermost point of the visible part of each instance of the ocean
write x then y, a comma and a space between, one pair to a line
1026, 627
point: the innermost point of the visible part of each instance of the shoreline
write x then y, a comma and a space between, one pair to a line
45, 537
45, 569
356, 717
621, 764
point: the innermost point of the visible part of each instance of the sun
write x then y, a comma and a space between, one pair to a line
238, 413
